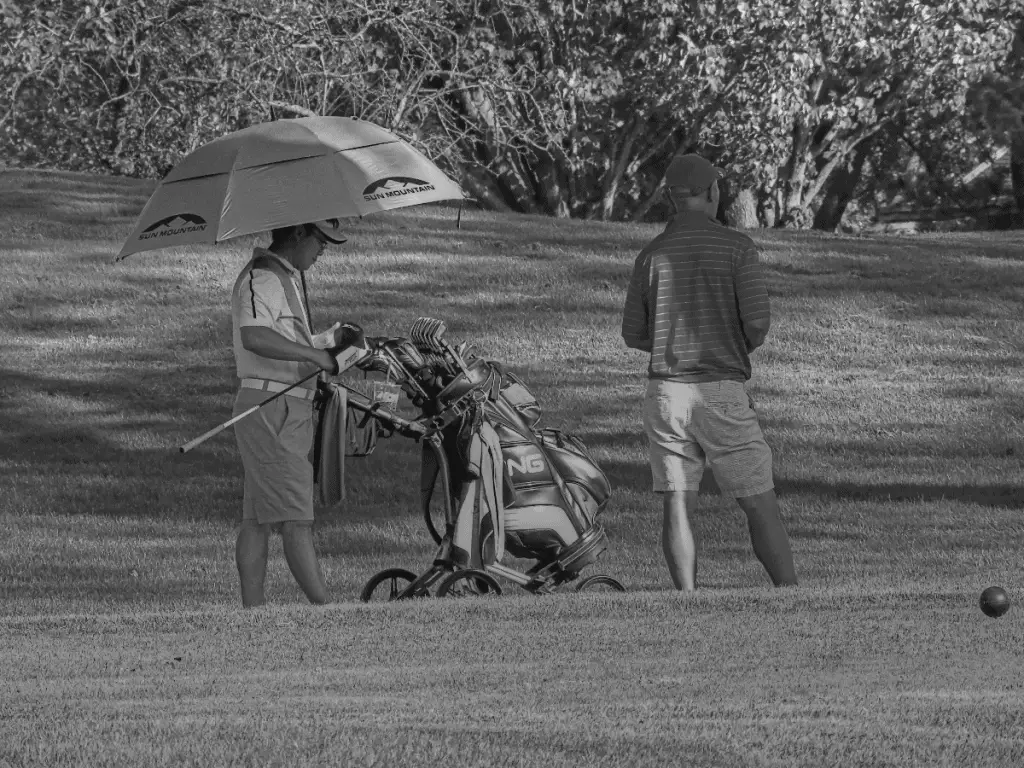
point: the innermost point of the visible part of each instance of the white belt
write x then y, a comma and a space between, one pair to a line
267, 385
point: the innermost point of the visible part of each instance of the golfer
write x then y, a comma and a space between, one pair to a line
274, 347
697, 302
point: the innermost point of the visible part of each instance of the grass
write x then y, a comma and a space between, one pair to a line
890, 391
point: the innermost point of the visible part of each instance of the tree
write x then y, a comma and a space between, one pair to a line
565, 107
834, 75
997, 109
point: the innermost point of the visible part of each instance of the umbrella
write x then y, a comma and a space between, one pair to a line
282, 173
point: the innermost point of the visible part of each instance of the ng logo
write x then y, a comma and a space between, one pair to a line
531, 464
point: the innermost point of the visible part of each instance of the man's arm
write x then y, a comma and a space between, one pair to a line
752, 298
265, 296
266, 342
755, 332
636, 312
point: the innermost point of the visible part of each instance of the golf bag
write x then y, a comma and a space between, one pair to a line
505, 485
551, 493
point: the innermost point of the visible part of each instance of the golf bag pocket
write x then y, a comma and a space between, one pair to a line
361, 432
478, 375
583, 477
520, 398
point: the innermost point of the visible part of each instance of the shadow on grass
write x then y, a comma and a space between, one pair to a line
1005, 495
77, 455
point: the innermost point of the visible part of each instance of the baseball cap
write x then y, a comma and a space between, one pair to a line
693, 172
331, 230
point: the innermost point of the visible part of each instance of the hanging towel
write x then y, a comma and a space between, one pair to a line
482, 495
329, 447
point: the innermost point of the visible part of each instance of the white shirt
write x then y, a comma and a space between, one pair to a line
259, 299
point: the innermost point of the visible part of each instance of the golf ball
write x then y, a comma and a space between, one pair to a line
994, 602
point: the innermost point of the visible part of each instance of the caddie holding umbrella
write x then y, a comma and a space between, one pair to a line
268, 178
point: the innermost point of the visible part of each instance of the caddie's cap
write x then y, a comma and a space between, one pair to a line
693, 172
331, 230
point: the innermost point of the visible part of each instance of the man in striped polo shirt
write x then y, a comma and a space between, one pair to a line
275, 347
697, 302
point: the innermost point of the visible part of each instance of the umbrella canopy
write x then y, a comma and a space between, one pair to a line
282, 173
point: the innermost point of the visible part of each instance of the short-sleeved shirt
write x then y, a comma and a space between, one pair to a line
692, 290
268, 293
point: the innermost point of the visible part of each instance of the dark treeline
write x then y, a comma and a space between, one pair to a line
821, 109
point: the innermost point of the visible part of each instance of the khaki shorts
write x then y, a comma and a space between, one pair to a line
710, 423
275, 444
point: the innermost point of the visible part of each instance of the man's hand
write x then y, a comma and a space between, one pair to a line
327, 361
337, 360
754, 333
267, 342
349, 347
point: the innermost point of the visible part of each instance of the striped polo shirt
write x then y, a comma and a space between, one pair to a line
693, 288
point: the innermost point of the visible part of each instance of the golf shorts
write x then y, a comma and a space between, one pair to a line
710, 423
275, 444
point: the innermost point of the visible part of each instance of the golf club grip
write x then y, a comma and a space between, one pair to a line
217, 430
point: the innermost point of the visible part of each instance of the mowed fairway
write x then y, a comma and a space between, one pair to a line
891, 391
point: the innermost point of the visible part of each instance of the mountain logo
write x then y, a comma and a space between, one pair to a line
178, 224
395, 186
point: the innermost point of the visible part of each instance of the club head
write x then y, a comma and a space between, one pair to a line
427, 334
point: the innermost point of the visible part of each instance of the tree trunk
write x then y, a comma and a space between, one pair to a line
511, 174
479, 188
620, 151
549, 182
652, 199
839, 190
767, 209
1017, 175
741, 210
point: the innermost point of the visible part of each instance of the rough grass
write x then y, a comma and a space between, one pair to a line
890, 391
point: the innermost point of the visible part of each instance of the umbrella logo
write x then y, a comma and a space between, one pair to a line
178, 224
395, 186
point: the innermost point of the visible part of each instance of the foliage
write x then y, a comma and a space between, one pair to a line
835, 74
566, 107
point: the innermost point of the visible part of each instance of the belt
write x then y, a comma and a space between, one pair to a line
266, 385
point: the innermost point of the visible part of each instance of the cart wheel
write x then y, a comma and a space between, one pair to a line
596, 584
394, 580
469, 582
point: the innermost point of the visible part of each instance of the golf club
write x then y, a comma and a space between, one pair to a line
346, 360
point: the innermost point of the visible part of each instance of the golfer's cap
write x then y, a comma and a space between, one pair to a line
331, 230
693, 172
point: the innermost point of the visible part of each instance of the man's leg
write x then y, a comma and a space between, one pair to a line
677, 539
251, 558
768, 537
297, 537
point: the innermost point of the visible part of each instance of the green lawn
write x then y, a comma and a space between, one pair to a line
891, 391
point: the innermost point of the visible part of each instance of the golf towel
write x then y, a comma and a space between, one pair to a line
482, 495
339, 434
329, 452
